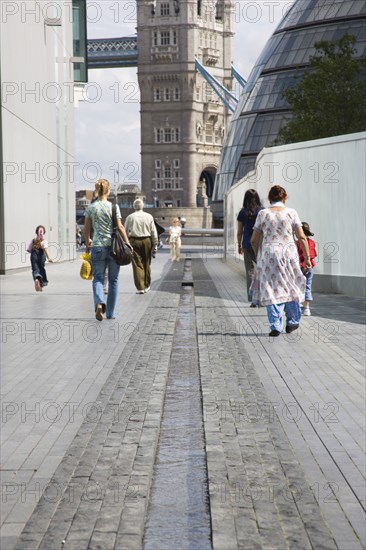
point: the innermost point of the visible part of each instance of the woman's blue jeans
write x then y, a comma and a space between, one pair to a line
309, 279
292, 312
101, 260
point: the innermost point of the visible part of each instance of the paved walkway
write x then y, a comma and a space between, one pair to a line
83, 402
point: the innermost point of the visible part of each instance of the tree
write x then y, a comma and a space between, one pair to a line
329, 99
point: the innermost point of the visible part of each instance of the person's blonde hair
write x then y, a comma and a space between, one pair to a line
102, 187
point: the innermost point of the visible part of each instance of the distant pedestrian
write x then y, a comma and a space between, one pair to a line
98, 219
307, 272
78, 236
278, 282
175, 232
143, 236
95, 198
160, 230
38, 249
246, 220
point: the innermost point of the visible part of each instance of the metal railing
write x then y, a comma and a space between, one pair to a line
208, 232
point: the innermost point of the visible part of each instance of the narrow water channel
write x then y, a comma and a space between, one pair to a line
178, 515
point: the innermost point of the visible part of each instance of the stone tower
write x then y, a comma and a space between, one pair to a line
183, 121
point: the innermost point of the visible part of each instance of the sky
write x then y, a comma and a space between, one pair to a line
108, 120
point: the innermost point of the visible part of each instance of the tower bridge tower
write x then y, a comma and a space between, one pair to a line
183, 122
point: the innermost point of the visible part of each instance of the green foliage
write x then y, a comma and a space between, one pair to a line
330, 97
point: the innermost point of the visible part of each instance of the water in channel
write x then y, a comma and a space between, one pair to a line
178, 515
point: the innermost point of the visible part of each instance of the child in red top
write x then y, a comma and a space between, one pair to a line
308, 274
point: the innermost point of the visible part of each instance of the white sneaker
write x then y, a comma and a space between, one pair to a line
306, 312
147, 289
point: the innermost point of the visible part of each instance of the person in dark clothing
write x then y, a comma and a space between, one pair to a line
246, 220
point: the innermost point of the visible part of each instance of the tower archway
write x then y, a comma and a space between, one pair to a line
206, 185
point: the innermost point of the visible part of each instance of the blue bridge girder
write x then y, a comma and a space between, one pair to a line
105, 53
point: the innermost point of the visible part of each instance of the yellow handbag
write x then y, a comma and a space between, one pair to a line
86, 271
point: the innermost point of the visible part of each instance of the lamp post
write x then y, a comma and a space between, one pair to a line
116, 182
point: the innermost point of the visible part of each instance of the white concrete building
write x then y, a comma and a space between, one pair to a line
41, 44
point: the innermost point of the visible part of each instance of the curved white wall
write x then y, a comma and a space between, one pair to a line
325, 180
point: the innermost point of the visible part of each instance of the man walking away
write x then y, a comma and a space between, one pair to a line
143, 237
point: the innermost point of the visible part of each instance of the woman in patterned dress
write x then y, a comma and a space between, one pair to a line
278, 282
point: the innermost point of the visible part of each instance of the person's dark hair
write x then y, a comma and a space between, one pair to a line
40, 227
276, 194
251, 202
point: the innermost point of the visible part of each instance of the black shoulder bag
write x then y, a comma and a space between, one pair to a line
121, 252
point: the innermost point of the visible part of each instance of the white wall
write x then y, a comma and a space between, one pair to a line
325, 181
37, 128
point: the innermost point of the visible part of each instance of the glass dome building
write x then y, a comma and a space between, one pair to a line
262, 110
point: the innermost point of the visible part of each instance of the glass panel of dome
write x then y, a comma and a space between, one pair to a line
355, 8
291, 58
308, 39
246, 164
246, 128
327, 10
242, 132
275, 63
362, 7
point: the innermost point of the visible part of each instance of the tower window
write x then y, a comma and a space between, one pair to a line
219, 10
165, 38
209, 132
155, 39
167, 135
177, 94
165, 8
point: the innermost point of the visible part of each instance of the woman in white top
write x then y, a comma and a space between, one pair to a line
175, 232
278, 282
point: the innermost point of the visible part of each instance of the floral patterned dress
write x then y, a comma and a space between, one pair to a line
278, 277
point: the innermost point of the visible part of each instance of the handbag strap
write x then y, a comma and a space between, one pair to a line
114, 217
